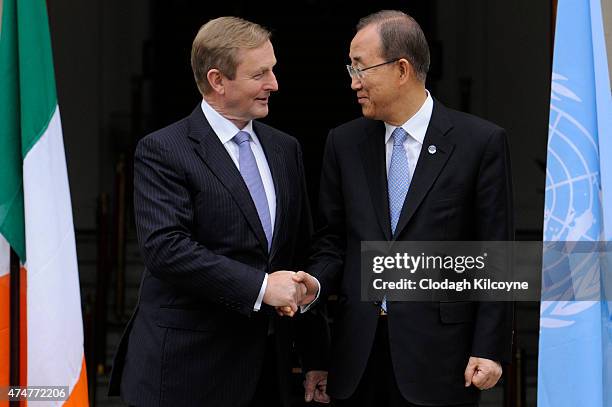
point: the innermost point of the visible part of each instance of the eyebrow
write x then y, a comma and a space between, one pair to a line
266, 67
260, 70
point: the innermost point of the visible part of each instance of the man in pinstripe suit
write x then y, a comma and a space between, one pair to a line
221, 214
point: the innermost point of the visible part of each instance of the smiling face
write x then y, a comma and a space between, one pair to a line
377, 89
246, 96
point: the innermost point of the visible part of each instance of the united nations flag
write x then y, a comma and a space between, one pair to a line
575, 353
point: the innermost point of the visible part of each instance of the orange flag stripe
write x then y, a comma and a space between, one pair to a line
5, 332
79, 396
23, 329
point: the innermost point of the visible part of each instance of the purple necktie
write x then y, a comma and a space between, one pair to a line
252, 178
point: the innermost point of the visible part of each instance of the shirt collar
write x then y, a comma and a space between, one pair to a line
223, 128
417, 125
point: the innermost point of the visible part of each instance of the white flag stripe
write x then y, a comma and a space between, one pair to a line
55, 330
47, 207
5, 256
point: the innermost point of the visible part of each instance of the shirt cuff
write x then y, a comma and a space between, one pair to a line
304, 308
262, 291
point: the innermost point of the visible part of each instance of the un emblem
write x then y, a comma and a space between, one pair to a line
572, 210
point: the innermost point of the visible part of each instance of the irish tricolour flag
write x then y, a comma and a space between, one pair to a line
35, 209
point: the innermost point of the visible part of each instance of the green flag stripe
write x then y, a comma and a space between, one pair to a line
27, 103
36, 76
11, 163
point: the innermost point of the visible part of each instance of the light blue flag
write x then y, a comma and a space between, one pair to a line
575, 353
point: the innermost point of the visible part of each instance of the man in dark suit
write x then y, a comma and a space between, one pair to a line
411, 169
221, 214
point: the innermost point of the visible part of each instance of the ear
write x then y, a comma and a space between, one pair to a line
216, 81
406, 72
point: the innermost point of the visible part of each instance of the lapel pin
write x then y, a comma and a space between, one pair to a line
432, 149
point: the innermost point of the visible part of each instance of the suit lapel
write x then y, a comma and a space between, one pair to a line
373, 153
429, 165
276, 162
216, 158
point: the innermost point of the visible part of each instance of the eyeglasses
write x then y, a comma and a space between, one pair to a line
359, 72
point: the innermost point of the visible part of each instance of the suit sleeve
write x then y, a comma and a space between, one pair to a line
313, 338
303, 244
494, 222
329, 246
164, 216
312, 328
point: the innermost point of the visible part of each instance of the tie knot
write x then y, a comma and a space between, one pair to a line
241, 137
399, 136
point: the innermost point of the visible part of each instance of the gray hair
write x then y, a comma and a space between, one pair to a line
401, 37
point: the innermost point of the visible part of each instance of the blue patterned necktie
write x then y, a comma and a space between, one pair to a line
252, 178
399, 176
398, 181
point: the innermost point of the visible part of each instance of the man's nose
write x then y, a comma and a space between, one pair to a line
272, 84
356, 83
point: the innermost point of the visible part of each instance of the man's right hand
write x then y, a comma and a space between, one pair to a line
283, 291
312, 290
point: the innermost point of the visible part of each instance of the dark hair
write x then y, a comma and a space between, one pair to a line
401, 37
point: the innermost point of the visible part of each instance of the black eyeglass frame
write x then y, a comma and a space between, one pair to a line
358, 72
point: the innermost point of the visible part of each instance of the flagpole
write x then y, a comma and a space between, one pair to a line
15, 324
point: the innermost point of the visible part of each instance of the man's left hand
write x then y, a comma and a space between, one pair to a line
482, 373
315, 386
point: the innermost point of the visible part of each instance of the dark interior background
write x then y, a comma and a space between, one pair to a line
122, 70
311, 46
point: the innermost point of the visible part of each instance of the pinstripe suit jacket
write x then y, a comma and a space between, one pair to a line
194, 339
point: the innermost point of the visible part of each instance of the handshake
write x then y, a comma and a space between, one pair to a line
286, 290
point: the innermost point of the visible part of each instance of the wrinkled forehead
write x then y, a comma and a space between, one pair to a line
265, 49
256, 58
366, 45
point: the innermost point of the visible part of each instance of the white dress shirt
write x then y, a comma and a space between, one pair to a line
226, 130
416, 127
